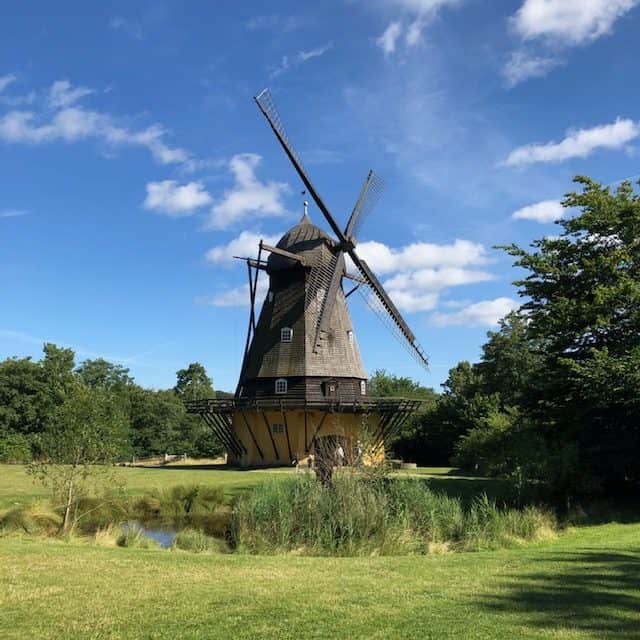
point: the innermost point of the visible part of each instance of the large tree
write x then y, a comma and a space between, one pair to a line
582, 308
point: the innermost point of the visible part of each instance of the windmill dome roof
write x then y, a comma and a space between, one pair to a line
304, 238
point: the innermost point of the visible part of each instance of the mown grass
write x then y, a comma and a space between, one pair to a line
583, 585
17, 487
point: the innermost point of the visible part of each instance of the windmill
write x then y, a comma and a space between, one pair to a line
302, 388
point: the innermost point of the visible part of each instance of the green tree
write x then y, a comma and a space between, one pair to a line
104, 374
193, 383
86, 433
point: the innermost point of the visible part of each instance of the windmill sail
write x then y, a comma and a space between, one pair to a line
367, 200
329, 280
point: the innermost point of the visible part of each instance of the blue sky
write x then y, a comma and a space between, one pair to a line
134, 163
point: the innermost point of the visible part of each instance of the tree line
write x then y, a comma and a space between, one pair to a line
41, 401
555, 397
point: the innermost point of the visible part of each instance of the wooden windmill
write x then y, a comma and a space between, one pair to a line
303, 388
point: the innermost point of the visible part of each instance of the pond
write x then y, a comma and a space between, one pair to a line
164, 537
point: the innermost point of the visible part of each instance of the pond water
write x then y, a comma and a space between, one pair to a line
164, 536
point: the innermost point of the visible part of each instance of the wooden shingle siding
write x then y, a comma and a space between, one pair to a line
288, 305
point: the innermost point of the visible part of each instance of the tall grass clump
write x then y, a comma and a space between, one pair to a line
36, 518
359, 515
196, 541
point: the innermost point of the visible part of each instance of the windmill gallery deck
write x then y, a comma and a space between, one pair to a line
303, 388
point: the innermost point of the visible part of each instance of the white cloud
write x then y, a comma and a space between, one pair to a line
62, 94
436, 279
545, 211
238, 296
577, 144
418, 273
176, 200
554, 25
245, 245
522, 65
389, 37
72, 124
5, 81
479, 314
12, 213
289, 62
569, 22
421, 255
248, 196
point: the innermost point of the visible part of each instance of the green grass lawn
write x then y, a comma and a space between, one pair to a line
583, 584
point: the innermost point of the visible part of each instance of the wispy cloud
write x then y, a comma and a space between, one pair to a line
289, 62
174, 199
417, 15
131, 27
523, 65
274, 22
6, 80
62, 94
485, 313
388, 39
578, 143
248, 196
26, 338
236, 297
12, 213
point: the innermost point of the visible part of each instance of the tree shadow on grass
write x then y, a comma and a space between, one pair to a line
588, 590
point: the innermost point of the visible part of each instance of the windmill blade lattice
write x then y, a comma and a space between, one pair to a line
369, 196
414, 349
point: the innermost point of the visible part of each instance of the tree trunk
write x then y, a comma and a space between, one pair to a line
66, 523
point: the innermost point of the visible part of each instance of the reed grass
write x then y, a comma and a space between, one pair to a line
361, 516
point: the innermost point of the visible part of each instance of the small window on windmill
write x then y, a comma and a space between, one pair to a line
331, 388
350, 336
270, 296
281, 386
286, 334
277, 427
363, 387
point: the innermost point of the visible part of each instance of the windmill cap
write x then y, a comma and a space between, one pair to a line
304, 238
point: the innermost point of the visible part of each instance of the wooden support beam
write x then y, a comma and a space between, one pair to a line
255, 442
324, 417
285, 254
273, 442
223, 437
226, 427
286, 430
